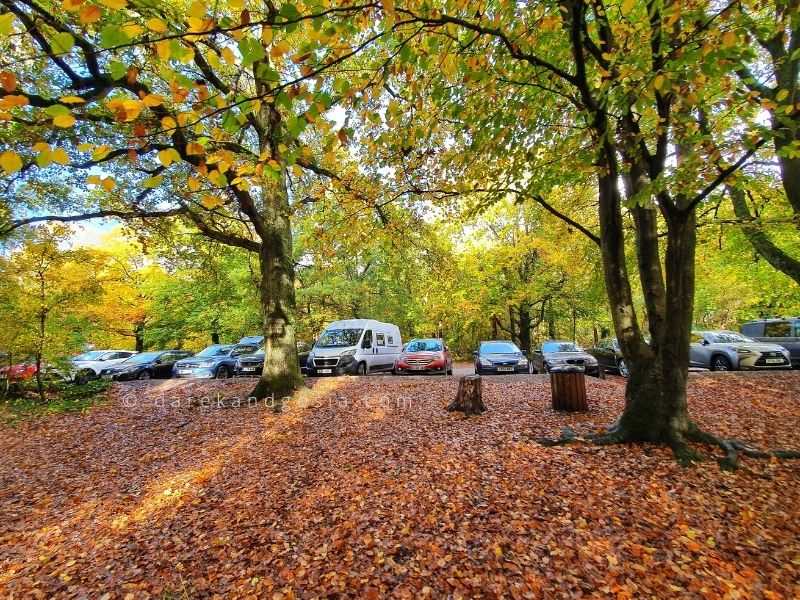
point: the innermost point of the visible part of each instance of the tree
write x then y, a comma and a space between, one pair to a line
535, 97
191, 112
50, 281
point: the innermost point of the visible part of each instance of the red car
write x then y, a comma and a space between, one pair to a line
18, 372
424, 356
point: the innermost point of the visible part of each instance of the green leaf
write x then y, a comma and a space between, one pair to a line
252, 50
229, 122
153, 182
6, 23
265, 73
62, 43
117, 70
295, 126
113, 35
57, 110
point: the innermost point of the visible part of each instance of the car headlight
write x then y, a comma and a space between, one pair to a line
522, 362
591, 360
206, 363
556, 361
349, 352
785, 352
744, 351
485, 362
238, 363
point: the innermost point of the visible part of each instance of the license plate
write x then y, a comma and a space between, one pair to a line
417, 368
248, 368
106, 377
505, 368
775, 360
185, 371
325, 371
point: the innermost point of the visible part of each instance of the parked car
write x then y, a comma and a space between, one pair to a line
609, 355
355, 346
217, 361
499, 356
147, 365
562, 353
88, 365
782, 331
27, 370
731, 351
424, 356
251, 365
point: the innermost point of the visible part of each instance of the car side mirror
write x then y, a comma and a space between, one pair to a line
704, 342
474, 353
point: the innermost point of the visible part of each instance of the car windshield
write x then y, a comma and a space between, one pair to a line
338, 338
499, 348
728, 337
215, 351
550, 347
424, 346
93, 355
260, 352
144, 357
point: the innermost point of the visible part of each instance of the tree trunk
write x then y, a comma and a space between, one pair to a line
215, 337
525, 322
138, 334
39, 352
281, 375
469, 399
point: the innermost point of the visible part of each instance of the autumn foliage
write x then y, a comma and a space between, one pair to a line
367, 487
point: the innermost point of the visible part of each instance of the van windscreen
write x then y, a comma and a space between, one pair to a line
338, 338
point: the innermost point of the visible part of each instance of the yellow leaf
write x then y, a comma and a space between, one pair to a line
90, 14
6, 23
659, 82
193, 183
168, 123
193, 148
266, 35
60, 156
132, 109
153, 100
782, 95
627, 7
729, 39
108, 183
94, 180
168, 156
163, 49
211, 202
156, 25
228, 56
85, 146
71, 4
64, 121
132, 30
10, 161
199, 25
71, 100
41, 147
101, 152
280, 49
197, 10
297, 170
236, 4
115, 4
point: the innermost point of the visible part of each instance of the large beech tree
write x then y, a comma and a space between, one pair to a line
531, 98
199, 112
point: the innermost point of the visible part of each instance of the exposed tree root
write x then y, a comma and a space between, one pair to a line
684, 453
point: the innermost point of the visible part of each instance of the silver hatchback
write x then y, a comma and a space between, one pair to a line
731, 351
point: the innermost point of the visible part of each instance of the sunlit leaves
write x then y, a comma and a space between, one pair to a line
8, 81
64, 121
114, 4
90, 14
168, 156
6, 23
62, 43
10, 162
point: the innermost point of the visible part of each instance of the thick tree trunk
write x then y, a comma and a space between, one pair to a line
281, 376
469, 399
525, 322
138, 334
40, 352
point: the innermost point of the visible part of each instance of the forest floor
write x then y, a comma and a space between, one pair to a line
366, 487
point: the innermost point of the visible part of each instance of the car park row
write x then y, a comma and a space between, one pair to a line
361, 346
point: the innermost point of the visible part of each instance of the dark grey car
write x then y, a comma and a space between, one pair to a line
562, 353
609, 356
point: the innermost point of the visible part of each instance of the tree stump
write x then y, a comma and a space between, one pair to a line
469, 399
569, 391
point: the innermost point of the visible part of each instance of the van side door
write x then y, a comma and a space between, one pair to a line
367, 351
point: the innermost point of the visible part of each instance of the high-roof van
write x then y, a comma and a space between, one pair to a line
782, 331
355, 346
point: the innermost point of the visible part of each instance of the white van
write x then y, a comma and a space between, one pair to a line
355, 346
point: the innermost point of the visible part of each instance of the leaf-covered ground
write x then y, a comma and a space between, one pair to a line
367, 488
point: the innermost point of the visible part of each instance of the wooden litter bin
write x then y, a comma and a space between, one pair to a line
568, 387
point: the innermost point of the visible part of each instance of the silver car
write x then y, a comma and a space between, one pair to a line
731, 351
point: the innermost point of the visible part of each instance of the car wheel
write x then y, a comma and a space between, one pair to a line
84, 376
145, 375
622, 367
450, 370
362, 369
222, 372
721, 363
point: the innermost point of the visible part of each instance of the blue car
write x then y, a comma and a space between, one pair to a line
499, 356
217, 361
